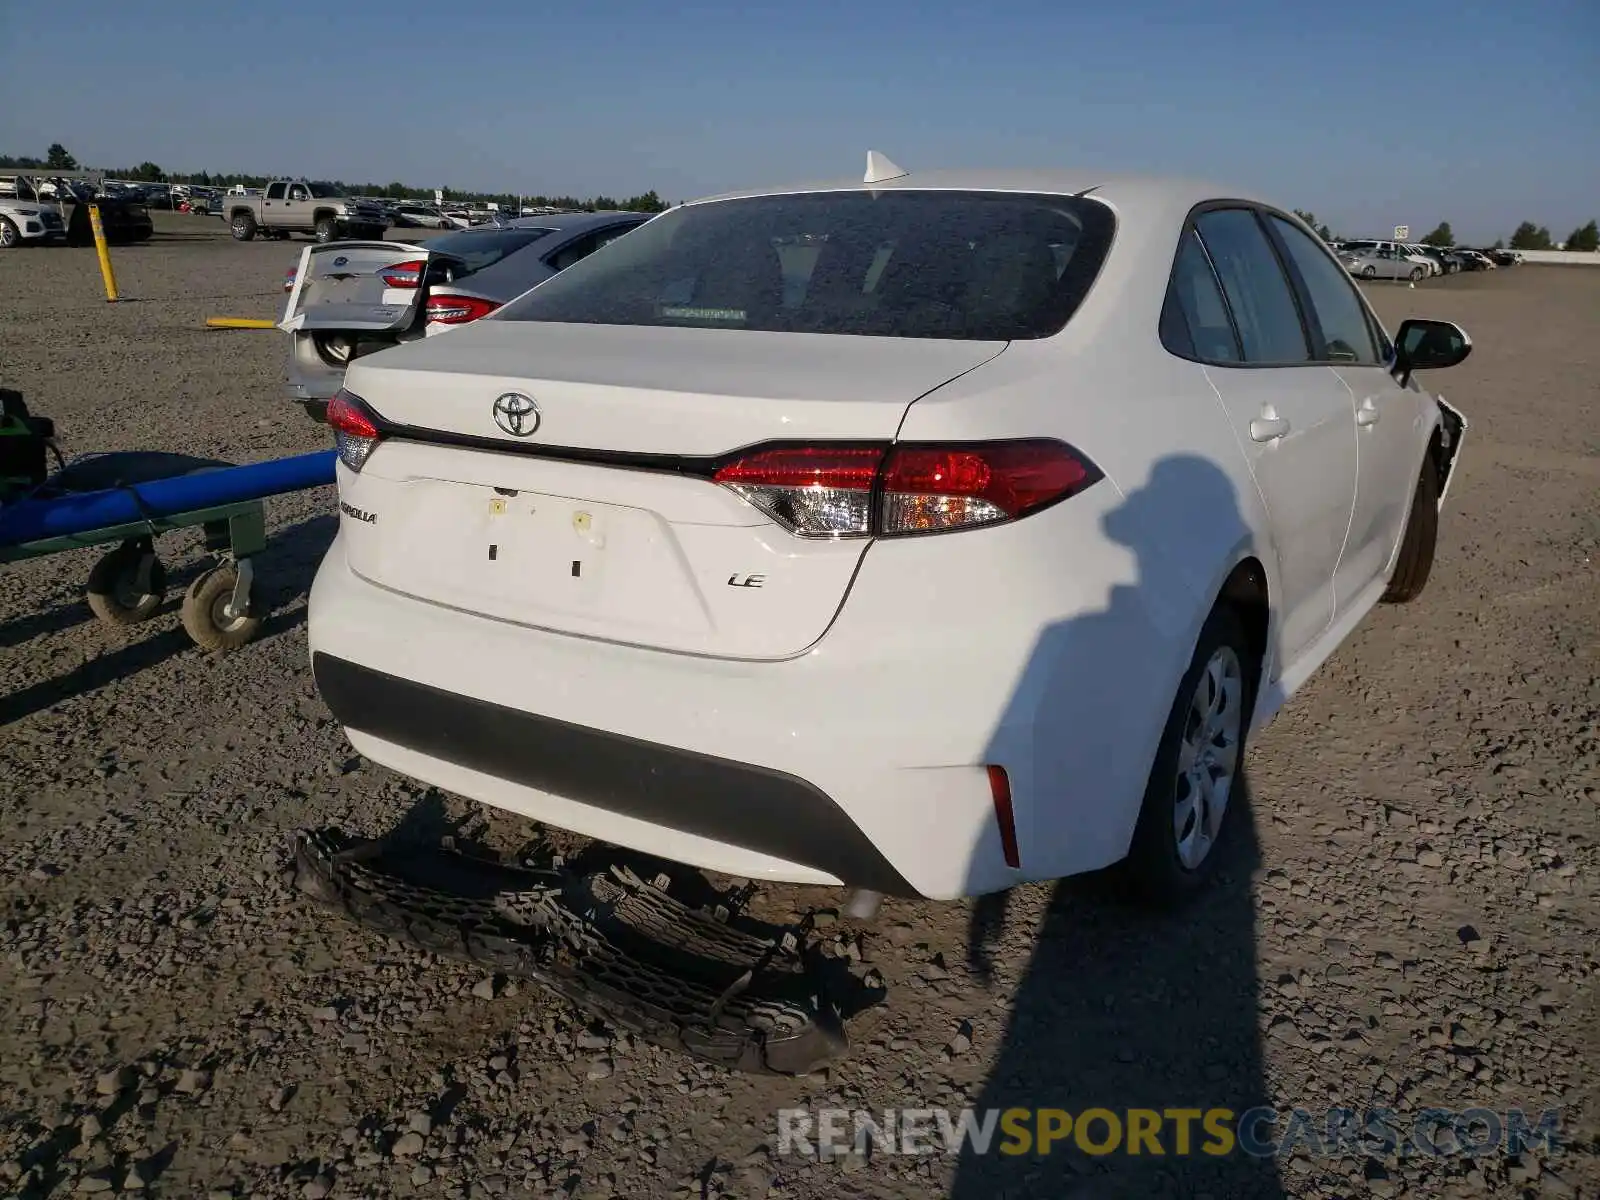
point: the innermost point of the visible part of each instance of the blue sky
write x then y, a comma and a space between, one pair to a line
1480, 112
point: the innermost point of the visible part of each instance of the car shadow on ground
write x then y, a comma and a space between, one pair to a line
1127, 1016
285, 570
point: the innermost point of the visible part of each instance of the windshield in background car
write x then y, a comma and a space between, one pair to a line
986, 266
480, 248
324, 191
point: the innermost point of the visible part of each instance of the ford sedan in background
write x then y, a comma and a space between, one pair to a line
926, 534
364, 297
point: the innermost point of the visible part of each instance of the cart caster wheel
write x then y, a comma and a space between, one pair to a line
117, 595
205, 616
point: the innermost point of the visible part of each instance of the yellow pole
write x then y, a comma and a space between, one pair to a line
239, 323
105, 254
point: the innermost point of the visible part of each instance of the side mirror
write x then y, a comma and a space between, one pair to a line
1423, 345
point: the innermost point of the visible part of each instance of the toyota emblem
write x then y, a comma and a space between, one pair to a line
517, 414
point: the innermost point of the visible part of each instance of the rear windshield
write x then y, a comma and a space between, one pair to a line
988, 266
480, 248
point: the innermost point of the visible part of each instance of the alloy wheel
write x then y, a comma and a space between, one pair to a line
1208, 756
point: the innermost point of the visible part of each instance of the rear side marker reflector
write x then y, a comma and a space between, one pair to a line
906, 488
1000, 788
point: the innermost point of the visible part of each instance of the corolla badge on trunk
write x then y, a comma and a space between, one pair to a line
517, 414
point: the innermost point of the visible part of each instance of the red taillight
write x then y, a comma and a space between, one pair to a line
404, 275
355, 433
288, 278
930, 488
457, 310
1000, 789
856, 491
814, 491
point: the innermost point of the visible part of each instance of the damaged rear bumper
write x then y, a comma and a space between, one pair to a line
702, 981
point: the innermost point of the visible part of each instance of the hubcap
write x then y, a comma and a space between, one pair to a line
8, 235
1208, 757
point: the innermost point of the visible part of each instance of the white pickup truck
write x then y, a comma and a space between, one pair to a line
298, 206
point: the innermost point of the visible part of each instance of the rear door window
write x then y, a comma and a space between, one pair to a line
1195, 323
580, 248
1258, 292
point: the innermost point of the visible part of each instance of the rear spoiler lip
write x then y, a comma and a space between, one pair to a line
693, 466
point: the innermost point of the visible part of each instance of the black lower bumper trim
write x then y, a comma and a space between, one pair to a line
711, 984
757, 809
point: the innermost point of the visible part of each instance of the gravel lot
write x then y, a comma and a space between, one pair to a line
1411, 922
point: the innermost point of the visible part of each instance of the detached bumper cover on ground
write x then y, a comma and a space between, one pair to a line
604, 939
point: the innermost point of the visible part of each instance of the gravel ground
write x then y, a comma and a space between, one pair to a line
1410, 921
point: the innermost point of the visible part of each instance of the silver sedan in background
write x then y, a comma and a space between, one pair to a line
1381, 264
360, 298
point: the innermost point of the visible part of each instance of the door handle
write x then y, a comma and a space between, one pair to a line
1368, 413
1268, 429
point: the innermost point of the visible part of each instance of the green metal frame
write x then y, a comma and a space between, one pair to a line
239, 530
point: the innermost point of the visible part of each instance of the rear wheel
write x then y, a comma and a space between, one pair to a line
10, 235
1197, 766
243, 227
1415, 561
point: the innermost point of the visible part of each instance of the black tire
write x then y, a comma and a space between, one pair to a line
204, 617
327, 230
1369, 272
1153, 870
1418, 273
1414, 563
10, 235
114, 592
243, 226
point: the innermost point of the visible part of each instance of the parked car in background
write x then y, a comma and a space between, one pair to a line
1383, 264
38, 210
1429, 267
420, 216
362, 298
1445, 260
1475, 260
29, 221
300, 206
805, 536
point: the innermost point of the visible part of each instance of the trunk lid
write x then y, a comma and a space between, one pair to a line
339, 287
660, 390
654, 558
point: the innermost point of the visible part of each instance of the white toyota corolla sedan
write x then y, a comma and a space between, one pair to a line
922, 535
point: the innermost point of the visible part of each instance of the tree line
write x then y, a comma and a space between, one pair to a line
1528, 236
57, 158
